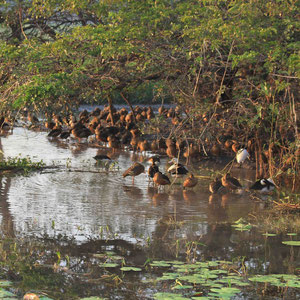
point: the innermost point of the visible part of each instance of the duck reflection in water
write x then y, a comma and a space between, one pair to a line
216, 209
77, 149
160, 198
151, 191
189, 196
133, 192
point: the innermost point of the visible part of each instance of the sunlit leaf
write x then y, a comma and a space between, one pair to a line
291, 243
108, 265
130, 269
168, 296
160, 264
182, 287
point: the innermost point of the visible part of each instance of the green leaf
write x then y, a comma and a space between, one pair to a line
130, 269
269, 234
108, 265
168, 296
159, 264
226, 291
291, 243
182, 287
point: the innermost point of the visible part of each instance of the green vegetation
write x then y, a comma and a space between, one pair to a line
17, 164
233, 63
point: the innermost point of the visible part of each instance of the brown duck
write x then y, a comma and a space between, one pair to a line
190, 182
135, 170
161, 179
230, 182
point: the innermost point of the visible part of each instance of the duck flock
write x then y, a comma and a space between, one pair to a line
121, 129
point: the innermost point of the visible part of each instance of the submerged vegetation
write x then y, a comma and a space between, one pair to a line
49, 269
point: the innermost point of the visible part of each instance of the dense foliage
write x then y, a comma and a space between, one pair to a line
210, 55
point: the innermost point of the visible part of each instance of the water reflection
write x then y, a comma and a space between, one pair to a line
80, 199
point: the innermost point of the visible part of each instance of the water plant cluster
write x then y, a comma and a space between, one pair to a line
18, 163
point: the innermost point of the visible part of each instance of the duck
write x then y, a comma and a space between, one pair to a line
50, 124
215, 186
153, 169
80, 131
176, 168
263, 185
134, 170
191, 152
154, 160
171, 151
5, 124
230, 182
55, 132
101, 157
143, 145
113, 142
190, 181
161, 179
65, 134
32, 118
215, 150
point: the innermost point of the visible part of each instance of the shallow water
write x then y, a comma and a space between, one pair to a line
81, 202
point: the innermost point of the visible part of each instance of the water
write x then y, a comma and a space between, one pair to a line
81, 210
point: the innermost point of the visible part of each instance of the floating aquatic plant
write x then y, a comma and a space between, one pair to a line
279, 280
291, 243
126, 269
169, 296
241, 225
269, 234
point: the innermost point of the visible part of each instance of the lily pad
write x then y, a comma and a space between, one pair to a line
169, 296
176, 262
168, 276
242, 227
160, 264
291, 234
192, 279
293, 284
269, 234
264, 278
108, 265
182, 287
226, 292
291, 243
130, 269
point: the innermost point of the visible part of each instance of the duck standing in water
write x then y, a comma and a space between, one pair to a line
161, 179
230, 182
215, 186
263, 185
135, 170
177, 168
153, 169
190, 182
